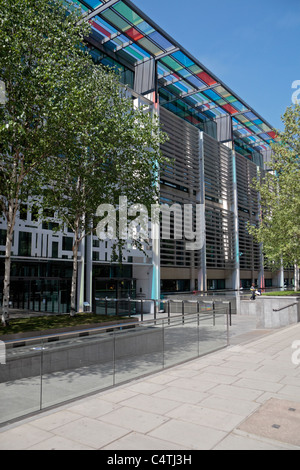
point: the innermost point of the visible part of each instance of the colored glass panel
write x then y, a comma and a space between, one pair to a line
183, 59
184, 73
83, 7
172, 63
273, 135
196, 82
134, 52
150, 47
229, 108
195, 69
116, 20
93, 3
264, 136
161, 41
134, 34
239, 106
231, 99
128, 13
211, 94
105, 25
206, 78
250, 116
221, 91
145, 28
265, 128
99, 28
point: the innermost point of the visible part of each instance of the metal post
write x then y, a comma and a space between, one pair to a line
182, 312
106, 306
169, 311
129, 306
142, 310
214, 316
155, 309
227, 321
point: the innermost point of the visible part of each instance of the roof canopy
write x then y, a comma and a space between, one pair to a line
185, 85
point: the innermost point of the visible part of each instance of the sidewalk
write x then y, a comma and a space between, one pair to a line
246, 396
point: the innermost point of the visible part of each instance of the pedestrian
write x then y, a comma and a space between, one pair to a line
252, 289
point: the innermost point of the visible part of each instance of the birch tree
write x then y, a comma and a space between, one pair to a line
64, 117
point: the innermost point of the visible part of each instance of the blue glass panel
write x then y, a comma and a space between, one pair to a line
265, 136
239, 106
93, 3
145, 28
160, 40
181, 87
195, 81
184, 73
250, 116
212, 94
183, 59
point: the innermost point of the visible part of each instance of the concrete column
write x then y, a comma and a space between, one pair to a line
81, 278
89, 270
202, 277
236, 271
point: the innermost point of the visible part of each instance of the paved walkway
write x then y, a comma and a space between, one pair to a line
246, 396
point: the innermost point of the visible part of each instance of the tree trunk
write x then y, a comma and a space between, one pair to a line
74, 277
6, 282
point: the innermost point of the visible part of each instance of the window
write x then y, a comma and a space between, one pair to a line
25, 244
67, 243
54, 249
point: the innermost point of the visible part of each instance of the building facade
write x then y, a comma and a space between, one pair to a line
217, 145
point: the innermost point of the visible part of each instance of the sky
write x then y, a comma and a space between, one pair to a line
253, 47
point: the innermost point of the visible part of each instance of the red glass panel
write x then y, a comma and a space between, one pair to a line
272, 134
229, 108
206, 78
134, 34
99, 28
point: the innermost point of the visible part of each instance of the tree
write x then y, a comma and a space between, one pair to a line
279, 189
59, 115
116, 155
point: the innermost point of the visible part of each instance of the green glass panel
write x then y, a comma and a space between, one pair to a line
128, 13
149, 46
120, 24
134, 53
195, 69
172, 63
231, 99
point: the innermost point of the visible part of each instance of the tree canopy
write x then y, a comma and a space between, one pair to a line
279, 189
67, 124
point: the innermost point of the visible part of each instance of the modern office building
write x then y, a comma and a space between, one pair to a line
217, 145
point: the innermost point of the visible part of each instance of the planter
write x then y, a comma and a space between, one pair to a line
273, 311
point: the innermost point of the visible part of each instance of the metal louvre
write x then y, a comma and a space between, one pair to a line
248, 209
180, 183
219, 215
218, 172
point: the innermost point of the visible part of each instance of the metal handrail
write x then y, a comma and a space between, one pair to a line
283, 308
